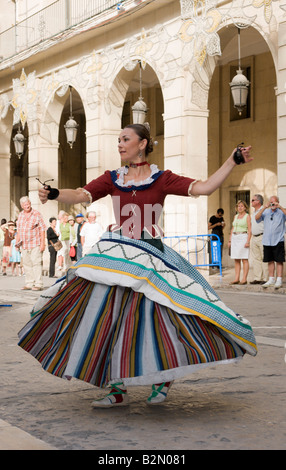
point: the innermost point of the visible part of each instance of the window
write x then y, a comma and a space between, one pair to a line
236, 196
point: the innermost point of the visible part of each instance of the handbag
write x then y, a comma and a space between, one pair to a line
58, 245
72, 251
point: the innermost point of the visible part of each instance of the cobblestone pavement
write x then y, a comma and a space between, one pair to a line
223, 407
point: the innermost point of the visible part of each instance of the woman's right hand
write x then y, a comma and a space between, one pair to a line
43, 195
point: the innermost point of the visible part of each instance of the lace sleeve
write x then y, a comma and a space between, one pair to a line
88, 195
190, 189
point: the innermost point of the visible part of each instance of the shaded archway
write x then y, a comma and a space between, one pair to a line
258, 128
19, 186
153, 97
72, 161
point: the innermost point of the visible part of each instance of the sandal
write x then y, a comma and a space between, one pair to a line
117, 397
159, 393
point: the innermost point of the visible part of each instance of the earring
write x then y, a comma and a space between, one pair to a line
140, 155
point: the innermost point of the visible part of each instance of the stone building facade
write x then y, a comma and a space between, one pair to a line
88, 53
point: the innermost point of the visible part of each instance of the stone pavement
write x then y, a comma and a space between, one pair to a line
224, 407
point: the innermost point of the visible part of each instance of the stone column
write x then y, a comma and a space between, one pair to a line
185, 154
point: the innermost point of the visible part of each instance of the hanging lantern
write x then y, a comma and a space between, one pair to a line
139, 109
19, 143
71, 126
239, 85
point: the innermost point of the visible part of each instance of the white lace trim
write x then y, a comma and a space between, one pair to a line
124, 171
190, 189
88, 195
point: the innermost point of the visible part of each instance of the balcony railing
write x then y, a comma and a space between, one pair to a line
48, 22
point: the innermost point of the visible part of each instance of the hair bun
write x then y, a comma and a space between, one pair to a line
147, 125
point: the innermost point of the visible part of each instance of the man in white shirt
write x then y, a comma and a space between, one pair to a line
90, 233
260, 269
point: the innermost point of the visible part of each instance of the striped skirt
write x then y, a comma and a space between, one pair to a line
128, 311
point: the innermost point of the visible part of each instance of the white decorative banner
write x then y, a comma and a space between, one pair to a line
200, 22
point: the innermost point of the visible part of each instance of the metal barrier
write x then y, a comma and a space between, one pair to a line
199, 250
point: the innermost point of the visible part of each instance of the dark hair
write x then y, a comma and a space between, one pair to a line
143, 132
220, 211
51, 219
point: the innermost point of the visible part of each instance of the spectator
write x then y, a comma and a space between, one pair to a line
65, 231
52, 237
90, 233
3, 222
73, 238
15, 259
239, 241
274, 218
216, 225
9, 234
256, 248
31, 231
61, 252
80, 222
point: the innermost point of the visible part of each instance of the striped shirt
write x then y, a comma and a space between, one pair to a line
29, 228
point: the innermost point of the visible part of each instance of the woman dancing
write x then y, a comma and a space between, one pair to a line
133, 311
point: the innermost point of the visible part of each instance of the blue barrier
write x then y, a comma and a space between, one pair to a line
208, 247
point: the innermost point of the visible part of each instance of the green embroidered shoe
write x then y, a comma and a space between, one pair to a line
159, 393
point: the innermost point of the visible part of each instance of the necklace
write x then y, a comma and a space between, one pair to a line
135, 165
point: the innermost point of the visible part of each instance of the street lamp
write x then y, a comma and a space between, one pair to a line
139, 109
19, 142
71, 125
239, 85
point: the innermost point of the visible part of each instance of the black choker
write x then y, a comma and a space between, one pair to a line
135, 165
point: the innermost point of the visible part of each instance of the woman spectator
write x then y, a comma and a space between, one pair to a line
52, 237
73, 238
65, 230
3, 222
9, 235
239, 241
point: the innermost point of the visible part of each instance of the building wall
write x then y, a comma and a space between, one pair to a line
100, 65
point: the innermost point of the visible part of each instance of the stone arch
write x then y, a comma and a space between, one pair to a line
124, 92
225, 131
19, 174
66, 166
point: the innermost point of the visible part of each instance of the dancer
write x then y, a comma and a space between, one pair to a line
133, 311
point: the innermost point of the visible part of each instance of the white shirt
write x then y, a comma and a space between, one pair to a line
91, 233
256, 228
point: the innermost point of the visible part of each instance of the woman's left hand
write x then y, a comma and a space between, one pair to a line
245, 153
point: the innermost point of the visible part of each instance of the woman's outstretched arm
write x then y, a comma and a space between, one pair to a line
68, 196
205, 188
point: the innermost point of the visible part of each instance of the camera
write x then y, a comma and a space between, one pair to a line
272, 204
237, 156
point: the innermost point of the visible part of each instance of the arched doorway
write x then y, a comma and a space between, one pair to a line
72, 161
18, 172
257, 127
153, 97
